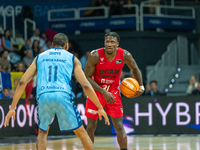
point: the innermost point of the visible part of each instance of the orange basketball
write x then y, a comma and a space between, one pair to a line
129, 87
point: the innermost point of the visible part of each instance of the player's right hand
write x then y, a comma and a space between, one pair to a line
139, 92
10, 114
109, 97
101, 113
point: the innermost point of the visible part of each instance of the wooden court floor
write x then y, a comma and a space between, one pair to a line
148, 142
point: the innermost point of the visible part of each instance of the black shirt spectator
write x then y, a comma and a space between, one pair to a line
117, 8
6, 66
130, 9
197, 91
25, 47
154, 91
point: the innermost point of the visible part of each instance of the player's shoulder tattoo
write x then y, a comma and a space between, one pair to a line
127, 53
79, 62
127, 56
93, 58
94, 53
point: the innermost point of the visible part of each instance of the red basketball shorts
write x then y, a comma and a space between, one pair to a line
114, 110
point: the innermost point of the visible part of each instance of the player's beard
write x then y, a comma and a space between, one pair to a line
109, 53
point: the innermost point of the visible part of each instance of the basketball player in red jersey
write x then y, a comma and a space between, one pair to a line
103, 69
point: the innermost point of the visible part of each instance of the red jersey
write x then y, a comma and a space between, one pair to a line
107, 73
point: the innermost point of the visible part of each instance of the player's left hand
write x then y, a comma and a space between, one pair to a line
102, 113
10, 114
109, 97
140, 91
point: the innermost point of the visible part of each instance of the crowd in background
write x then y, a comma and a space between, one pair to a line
18, 58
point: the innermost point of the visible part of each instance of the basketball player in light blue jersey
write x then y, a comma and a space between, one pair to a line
54, 69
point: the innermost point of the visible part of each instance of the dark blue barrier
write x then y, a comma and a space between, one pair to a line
168, 23
94, 24
142, 115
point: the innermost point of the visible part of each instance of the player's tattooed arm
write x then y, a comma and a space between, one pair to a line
93, 59
130, 62
79, 63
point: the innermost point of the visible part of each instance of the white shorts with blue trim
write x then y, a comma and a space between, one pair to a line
59, 104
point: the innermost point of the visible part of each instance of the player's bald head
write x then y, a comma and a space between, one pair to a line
60, 39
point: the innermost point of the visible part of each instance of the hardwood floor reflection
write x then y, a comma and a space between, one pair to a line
110, 143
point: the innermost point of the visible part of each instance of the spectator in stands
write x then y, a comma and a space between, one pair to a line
49, 44
20, 67
35, 48
84, 58
12, 92
153, 89
25, 47
197, 91
6, 42
117, 8
5, 93
130, 9
41, 50
193, 83
44, 40
13, 58
36, 36
43, 35
5, 62
28, 59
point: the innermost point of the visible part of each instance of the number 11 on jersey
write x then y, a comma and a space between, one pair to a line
55, 73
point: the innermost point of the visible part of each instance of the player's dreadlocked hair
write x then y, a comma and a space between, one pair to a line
60, 39
114, 34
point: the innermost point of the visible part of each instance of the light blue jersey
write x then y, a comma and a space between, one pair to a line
54, 91
54, 71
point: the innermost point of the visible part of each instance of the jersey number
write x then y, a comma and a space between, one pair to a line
106, 87
55, 73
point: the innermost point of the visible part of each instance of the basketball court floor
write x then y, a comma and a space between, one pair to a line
135, 142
